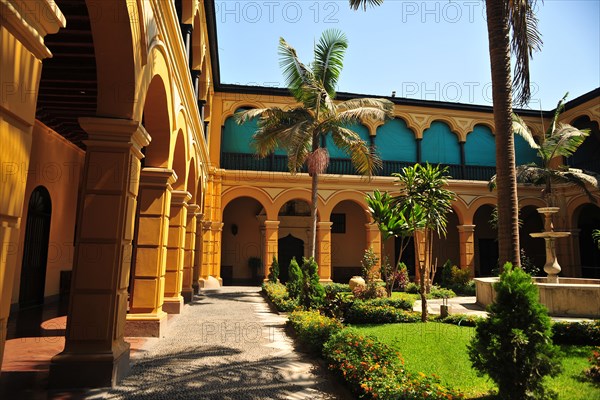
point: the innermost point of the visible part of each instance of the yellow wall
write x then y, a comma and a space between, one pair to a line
56, 164
347, 249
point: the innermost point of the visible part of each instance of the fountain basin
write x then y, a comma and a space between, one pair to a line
572, 297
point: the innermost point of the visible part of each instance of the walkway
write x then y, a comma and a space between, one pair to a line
227, 344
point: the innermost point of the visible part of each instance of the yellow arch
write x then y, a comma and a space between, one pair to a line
475, 205
232, 107
355, 196
297, 194
254, 193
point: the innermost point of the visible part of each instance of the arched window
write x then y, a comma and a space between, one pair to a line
480, 147
440, 145
396, 142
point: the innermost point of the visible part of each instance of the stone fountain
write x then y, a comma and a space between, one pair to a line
552, 268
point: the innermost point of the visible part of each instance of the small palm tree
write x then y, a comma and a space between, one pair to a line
427, 203
560, 140
300, 130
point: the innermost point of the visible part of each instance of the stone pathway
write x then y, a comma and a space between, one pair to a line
227, 344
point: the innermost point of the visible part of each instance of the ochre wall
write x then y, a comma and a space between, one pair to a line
347, 249
236, 249
55, 164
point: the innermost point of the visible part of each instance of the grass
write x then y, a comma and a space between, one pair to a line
441, 349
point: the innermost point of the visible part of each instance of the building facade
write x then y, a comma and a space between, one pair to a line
126, 185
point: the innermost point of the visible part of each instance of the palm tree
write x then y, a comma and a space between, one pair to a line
300, 130
427, 203
560, 140
504, 16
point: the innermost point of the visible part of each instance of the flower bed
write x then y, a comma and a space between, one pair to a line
362, 312
278, 295
313, 329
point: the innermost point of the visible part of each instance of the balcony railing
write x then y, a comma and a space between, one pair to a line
341, 166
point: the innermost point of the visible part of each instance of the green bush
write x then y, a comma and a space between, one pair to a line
412, 288
362, 312
593, 372
403, 303
458, 319
336, 304
337, 288
294, 283
374, 370
579, 333
374, 287
313, 329
514, 344
279, 296
274, 271
312, 293
440, 293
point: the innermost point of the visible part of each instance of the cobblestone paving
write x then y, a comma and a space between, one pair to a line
227, 344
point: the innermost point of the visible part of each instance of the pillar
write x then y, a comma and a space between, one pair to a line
188, 259
175, 252
196, 273
22, 32
96, 353
270, 231
206, 262
215, 257
374, 241
146, 317
466, 235
324, 250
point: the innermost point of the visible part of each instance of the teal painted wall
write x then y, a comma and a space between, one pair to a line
480, 147
335, 152
396, 142
238, 138
440, 145
524, 154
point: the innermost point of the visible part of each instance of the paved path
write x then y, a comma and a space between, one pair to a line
227, 344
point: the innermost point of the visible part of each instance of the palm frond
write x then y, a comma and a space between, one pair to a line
526, 39
298, 143
329, 59
356, 4
356, 115
364, 159
565, 140
241, 117
296, 74
521, 129
382, 104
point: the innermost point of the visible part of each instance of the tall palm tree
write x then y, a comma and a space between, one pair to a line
504, 16
300, 130
559, 140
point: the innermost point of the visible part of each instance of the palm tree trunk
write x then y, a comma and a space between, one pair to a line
314, 215
508, 207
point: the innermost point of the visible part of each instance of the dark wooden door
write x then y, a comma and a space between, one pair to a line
35, 251
288, 248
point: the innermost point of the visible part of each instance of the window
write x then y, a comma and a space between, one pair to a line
339, 223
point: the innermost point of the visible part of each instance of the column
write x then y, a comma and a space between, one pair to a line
374, 240
188, 258
270, 231
23, 27
175, 252
206, 262
196, 274
324, 250
146, 317
215, 257
96, 353
466, 235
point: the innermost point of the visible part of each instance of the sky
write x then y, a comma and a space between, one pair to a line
429, 50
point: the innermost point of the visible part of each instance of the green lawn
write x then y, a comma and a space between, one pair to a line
441, 349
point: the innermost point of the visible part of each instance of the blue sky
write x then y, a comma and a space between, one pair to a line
432, 50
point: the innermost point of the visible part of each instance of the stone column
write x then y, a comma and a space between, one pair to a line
96, 353
206, 260
188, 259
217, 229
197, 254
175, 251
374, 241
324, 250
146, 317
23, 27
467, 247
270, 231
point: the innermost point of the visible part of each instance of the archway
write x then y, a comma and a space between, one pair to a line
35, 252
348, 240
294, 222
486, 244
241, 240
586, 155
534, 248
589, 219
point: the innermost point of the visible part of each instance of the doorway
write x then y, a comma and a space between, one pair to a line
288, 248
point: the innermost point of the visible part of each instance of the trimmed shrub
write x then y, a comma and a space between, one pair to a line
362, 312
313, 329
514, 344
337, 288
274, 271
312, 293
579, 333
412, 288
458, 319
294, 283
440, 293
403, 303
279, 296
373, 288
374, 370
